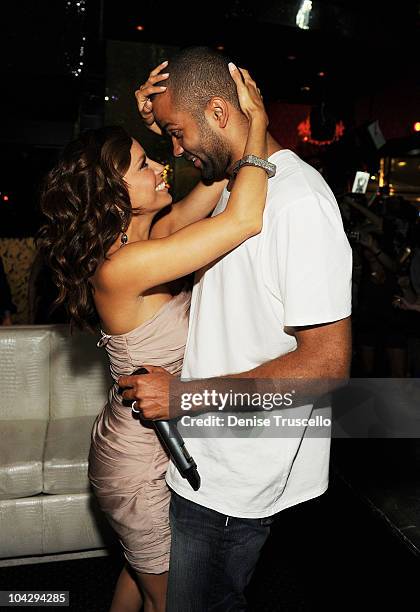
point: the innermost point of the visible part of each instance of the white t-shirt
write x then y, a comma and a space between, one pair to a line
296, 272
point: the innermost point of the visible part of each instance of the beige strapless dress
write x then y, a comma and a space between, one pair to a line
127, 464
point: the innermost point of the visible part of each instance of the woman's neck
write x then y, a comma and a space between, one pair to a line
139, 228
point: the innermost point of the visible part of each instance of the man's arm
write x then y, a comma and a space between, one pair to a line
323, 351
323, 355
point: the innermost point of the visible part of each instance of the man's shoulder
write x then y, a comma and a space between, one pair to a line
295, 185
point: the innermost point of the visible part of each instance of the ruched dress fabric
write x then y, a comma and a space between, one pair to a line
127, 464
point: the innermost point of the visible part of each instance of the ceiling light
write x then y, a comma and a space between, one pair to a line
304, 14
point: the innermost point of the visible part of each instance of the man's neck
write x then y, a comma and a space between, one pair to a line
272, 145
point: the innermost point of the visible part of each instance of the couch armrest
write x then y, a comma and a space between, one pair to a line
24, 372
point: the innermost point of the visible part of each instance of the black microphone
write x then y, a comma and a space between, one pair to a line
174, 443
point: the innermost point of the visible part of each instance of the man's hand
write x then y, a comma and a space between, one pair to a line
151, 391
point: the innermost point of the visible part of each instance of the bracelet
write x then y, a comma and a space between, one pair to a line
253, 160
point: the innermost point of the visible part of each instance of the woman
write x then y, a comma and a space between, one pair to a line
110, 262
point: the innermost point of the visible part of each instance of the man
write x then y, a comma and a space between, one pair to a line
277, 307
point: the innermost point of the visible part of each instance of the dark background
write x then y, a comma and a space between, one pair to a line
360, 58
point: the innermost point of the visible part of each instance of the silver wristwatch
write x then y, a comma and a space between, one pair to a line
253, 160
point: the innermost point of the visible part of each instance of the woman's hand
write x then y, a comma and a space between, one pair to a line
143, 94
249, 95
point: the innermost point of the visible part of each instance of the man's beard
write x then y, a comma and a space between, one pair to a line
217, 156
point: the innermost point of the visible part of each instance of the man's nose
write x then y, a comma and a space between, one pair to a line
177, 149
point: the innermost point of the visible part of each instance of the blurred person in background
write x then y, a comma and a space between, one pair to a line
409, 300
7, 307
42, 295
379, 243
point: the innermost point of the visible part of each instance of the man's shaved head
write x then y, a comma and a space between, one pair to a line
196, 75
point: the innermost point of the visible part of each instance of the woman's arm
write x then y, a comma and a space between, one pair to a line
197, 205
146, 264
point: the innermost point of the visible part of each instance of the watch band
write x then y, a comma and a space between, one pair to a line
253, 160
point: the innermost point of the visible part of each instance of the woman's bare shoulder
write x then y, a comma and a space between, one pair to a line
124, 266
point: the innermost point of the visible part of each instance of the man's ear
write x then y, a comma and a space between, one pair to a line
217, 110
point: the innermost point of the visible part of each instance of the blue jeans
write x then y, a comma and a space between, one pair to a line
213, 557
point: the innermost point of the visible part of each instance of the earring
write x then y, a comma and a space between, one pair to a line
124, 237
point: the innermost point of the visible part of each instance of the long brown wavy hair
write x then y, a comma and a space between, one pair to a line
86, 206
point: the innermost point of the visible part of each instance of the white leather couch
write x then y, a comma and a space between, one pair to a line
52, 385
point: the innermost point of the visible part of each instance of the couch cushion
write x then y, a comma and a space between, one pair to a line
21, 455
49, 524
21, 527
66, 455
74, 522
24, 372
79, 371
